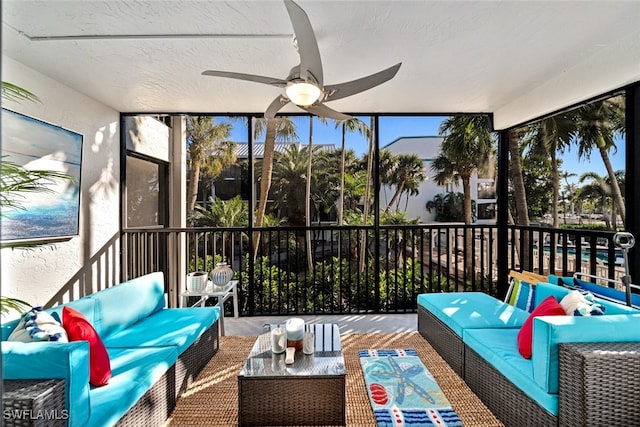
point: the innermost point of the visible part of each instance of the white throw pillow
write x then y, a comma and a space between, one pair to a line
38, 325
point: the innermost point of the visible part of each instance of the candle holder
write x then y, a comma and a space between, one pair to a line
295, 332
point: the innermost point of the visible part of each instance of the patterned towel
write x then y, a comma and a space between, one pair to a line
403, 392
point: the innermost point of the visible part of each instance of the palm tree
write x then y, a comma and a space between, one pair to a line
467, 147
598, 124
289, 182
407, 176
208, 150
601, 189
307, 204
351, 125
282, 129
546, 139
367, 189
223, 213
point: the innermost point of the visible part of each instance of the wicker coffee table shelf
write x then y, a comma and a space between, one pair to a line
311, 391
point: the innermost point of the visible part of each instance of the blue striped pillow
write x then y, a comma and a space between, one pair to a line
523, 295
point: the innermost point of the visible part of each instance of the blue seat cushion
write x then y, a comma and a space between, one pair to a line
178, 327
472, 310
134, 371
499, 347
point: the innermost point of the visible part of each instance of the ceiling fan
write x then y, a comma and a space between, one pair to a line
304, 86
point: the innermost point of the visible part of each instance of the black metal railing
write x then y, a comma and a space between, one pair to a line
360, 269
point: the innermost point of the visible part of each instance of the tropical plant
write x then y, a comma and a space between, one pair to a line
600, 190
289, 182
209, 152
407, 176
597, 125
15, 179
351, 125
282, 129
546, 139
467, 147
15, 93
367, 202
449, 207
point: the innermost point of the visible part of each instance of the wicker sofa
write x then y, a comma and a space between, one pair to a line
583, 370
154, 353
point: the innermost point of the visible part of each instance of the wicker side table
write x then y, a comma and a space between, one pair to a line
34, 403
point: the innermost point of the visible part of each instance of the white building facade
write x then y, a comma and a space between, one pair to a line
427, 148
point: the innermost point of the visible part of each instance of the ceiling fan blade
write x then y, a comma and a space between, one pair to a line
342, 90
275, 106
249, 77
324, 111
307, 44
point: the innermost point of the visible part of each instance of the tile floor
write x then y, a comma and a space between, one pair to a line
348, 323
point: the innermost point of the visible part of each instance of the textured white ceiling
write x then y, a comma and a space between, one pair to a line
517, 59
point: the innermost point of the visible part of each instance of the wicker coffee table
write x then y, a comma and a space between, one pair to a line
311, 391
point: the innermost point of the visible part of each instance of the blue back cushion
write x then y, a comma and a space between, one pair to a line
128, 302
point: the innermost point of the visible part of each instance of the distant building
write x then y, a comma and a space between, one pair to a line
428, 148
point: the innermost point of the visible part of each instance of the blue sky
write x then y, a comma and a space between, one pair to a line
393, 127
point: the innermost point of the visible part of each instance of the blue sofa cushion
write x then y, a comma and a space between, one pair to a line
559, 292
135, 370
171, 326
499, 347
86, 306
472, 310
124, 304
549, 331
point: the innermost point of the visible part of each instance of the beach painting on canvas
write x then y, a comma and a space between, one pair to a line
37, 145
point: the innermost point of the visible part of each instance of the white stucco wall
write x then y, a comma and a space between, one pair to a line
35, 275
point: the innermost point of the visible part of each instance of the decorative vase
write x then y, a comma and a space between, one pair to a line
197, 281
221, 275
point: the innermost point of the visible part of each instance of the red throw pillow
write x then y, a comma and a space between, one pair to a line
79, 329
548, 307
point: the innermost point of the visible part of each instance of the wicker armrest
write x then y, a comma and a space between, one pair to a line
34, 403
599, 382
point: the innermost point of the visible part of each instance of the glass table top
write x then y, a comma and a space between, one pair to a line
326, 360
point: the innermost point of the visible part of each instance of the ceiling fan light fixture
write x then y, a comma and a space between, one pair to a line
303, 93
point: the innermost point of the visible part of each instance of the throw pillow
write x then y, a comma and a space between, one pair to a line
548, 307
580, 303
79, 329
522, 294
38, 325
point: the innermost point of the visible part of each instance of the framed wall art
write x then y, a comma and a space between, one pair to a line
50, 209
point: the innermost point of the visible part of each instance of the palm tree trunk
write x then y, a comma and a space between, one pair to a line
615, 188
192, 190
342, 167
555, 176
365, 214
468, 220
396, 196
307, 205
519, 195
265, 179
